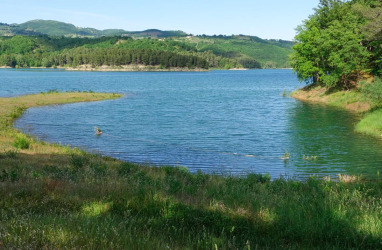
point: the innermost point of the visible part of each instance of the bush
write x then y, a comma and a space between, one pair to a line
372, 90
17, 112
79, 161
21, 142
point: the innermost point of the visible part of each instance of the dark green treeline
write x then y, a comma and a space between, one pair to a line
44, 51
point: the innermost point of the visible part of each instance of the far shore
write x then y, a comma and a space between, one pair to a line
130, 68
122, 68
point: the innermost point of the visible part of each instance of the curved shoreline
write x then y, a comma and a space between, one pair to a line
61, 197
13, 107
352, 100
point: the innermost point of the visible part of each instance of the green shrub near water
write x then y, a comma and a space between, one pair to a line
17, 112
21, 142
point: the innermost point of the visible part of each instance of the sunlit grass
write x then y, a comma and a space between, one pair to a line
371, 124
96, 208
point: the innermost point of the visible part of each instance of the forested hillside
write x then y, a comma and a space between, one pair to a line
42, 43
340, 44
269, 53
43, 51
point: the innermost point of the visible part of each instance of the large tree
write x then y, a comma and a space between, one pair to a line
330, 46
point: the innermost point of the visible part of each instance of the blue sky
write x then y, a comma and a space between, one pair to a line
266, 19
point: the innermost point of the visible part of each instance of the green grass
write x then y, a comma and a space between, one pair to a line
104, 204
371, 124
54, 196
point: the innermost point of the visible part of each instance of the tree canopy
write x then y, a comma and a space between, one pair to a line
339, 43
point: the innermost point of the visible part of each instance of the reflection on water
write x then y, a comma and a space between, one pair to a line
221, 121
327, 133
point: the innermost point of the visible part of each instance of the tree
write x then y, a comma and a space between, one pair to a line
329, 47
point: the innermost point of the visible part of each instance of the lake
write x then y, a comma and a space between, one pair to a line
226, 122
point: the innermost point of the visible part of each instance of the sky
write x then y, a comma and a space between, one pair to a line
267, 19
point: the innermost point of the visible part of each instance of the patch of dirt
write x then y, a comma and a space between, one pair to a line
317, 94
358, 106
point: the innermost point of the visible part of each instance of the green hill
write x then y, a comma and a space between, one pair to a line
220, 51
56, 28
270, 53
12, 30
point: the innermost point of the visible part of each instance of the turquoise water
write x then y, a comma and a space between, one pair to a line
227, 122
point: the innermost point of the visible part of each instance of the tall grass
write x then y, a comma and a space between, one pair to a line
371, 124
131, 206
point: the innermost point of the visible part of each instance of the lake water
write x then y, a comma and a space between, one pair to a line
227, 122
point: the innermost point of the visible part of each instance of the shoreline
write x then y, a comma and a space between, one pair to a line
370, 122
131, 68
12, 108
135, 68
122, 68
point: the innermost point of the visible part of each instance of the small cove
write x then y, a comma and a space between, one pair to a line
228, 122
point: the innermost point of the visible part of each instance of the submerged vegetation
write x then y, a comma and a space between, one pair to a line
55, 196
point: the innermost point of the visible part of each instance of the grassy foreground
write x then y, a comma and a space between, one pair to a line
354, 100
59, 197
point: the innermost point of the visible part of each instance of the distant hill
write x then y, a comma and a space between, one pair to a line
12, 30
247, 51
56, 28
269, 53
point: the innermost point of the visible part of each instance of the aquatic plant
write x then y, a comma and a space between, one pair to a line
285, 156
310, 157
286, 93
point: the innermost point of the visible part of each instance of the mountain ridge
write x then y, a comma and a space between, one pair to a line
248, 51
58, 28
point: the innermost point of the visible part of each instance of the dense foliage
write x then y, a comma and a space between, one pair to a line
340, 43
267, 53
44, 51
35, 43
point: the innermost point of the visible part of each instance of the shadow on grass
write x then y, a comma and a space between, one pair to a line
86, 201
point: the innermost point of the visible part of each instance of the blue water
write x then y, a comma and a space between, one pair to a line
227, 122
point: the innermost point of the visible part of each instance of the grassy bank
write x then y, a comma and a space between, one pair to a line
354, 100
55, 197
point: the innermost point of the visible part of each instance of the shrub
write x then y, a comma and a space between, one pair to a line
372, 90
17, 112
79, 161
21, 142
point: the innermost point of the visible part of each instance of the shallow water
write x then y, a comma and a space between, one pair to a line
229, 122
